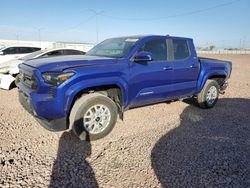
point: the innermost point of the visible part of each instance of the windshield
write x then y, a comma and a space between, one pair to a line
116, 48
33, 55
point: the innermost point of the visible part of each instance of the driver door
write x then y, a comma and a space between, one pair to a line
150, 82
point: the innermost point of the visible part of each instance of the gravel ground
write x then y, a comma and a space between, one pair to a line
166, 145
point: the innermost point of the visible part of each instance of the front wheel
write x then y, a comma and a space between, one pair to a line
208, 96
93, 116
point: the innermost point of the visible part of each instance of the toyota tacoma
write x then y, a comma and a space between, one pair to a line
87, 93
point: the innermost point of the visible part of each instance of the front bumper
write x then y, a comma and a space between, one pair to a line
59, 124
53, 125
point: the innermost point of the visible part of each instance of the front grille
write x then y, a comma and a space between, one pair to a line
27, 78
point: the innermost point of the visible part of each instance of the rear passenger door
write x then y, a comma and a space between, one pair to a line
185, 67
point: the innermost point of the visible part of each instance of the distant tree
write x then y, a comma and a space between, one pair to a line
199, 48
211, 47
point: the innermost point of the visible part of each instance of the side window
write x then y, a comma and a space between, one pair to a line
157, 47
11, 50
181, 50
35, 49
73, 52
25, 50
53, 53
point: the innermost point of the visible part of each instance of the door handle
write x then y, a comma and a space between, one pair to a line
167, 68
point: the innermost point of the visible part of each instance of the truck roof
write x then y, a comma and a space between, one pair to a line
148, 36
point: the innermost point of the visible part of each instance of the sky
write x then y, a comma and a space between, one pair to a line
224, 23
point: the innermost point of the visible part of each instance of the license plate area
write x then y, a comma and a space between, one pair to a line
25, 102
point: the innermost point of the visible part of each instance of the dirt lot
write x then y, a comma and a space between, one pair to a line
164, 145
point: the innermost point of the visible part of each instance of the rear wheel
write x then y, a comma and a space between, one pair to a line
93, 116
208, 96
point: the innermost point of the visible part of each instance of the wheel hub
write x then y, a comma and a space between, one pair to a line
211, 95
96, 118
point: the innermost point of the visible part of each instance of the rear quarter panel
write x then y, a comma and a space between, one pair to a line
211, 68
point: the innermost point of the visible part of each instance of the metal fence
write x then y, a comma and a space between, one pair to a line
241, 52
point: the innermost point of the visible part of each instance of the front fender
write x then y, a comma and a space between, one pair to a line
73, 90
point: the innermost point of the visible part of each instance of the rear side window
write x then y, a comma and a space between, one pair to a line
35, 49
157, 47
181, 50
26, 50
53, 53
73, 52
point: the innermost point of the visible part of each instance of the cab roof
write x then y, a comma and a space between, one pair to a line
149, 36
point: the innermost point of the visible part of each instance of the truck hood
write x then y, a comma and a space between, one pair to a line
61, 63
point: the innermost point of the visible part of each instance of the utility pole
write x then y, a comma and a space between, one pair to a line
97, 22
39, 34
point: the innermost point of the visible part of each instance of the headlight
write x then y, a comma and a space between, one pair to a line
55, 78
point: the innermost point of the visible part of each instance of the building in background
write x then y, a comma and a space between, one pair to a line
46, 44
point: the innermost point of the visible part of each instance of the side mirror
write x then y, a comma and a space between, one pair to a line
143, 57
1, 53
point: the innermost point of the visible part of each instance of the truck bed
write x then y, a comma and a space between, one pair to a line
210, 59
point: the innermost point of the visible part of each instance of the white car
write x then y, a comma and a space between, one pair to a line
9, 69
15, 52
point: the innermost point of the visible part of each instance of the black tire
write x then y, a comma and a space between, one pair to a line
81, 106
202, 100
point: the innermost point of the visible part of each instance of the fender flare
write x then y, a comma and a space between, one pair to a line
203, 78
78, 87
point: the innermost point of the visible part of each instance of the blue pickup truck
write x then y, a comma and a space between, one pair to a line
86, 93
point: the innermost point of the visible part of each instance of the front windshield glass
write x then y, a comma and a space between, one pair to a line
115, 48
33, 55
